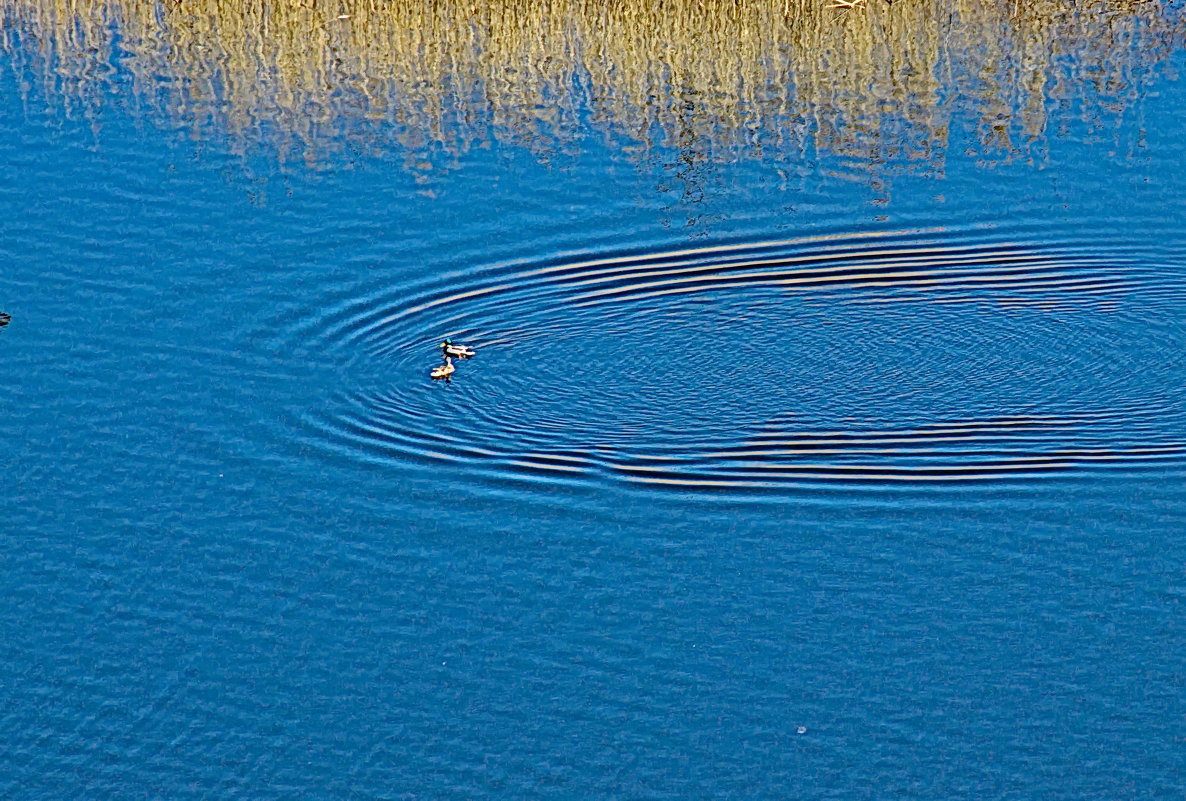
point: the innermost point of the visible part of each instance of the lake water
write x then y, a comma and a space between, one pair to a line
825, 436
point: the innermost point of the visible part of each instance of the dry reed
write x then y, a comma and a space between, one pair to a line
720, 78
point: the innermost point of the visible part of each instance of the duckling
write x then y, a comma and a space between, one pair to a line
445, 370
460, 351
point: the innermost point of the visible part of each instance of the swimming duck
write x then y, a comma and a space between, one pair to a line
460, 351
4, 318
445, 370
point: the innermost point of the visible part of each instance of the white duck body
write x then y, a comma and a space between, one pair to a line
460, 351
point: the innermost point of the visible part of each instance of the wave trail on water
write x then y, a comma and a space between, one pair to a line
963, 450
901, 358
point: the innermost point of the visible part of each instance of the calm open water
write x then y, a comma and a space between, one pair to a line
781, 471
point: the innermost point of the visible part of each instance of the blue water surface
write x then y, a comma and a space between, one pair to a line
759, 486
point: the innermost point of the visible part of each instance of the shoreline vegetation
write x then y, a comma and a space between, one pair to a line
716, 79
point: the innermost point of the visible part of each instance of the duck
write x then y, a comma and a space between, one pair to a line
5, 318
460, 351
445, 370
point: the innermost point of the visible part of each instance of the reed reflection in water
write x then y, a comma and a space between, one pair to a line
714, 79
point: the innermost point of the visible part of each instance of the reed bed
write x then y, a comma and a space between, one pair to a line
713, 78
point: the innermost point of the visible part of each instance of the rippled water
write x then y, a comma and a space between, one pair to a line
880, 358
826, 442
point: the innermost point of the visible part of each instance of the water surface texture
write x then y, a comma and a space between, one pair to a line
825, 436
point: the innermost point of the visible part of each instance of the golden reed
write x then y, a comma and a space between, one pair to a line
715, 78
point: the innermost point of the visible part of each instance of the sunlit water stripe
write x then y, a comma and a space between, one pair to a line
594, 429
